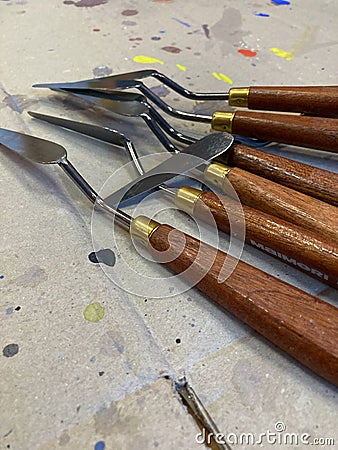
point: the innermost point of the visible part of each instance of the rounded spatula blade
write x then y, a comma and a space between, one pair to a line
32, 148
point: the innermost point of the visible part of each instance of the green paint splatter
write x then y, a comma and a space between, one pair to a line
94, 312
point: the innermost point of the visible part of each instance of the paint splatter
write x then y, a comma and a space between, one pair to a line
248, 53
160, 90
2, 277
96, 30
222, 77
64, 439
183, 68
302, 41
86, 3
100, 445
147, 60
32, 277
94, 312
129, 23
186, 24
9, 311
227, 32
18, 103
10, 350
156, 38
171, 49
129, 12
262, 15
105, 256
280, 2
102, 71
206, 30
282, 53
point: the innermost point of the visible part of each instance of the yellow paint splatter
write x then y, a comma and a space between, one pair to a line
147, 60
94, 312
282, 53
183, 68
289, 56
221, 76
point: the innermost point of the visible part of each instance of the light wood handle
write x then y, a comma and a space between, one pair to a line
318, 183
302, 325
318, 100
285, 203
293, 245
304, 131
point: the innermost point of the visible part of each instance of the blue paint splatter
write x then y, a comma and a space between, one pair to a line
2, 276
162, 31
280, 2
186, 24
100, 445
262, 15
9, 310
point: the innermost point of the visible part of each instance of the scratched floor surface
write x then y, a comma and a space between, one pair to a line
84, 363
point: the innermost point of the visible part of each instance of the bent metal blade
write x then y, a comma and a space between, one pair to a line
191, 157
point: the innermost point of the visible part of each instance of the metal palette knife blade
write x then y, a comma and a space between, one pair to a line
35, 149
191, 157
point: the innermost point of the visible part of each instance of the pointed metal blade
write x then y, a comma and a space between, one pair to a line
122, 81
35, 149
192, 156
102, 133
123, 103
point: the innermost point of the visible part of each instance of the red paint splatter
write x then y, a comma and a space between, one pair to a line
171, 49
129, 12
96, 29
248, 53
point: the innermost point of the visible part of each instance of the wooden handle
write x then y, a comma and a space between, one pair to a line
318, 100
292, 244
302, 325
318, 183
305, 131
285, 203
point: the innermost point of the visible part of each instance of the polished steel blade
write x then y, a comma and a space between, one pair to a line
32, 148
122, 81
101, 133
192, 156
123, 103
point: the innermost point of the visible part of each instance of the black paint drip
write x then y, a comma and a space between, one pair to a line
10, 350
104, 256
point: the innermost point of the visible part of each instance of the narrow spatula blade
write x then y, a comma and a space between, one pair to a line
33, 148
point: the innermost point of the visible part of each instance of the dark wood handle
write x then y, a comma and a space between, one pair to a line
318, 100
302, 325
299, 248
318, 183
313, 132
285, 203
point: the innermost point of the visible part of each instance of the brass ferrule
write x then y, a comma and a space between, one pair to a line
222, 121
216, 173
186, 198
239, 97
142, 228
